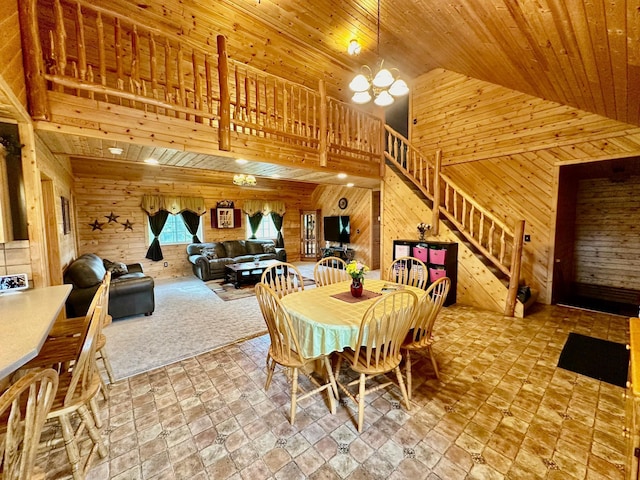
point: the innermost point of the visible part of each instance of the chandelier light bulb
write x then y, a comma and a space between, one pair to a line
383, 78
244, 180
354, 47
399, 88
361, 97
383, 99
359, 83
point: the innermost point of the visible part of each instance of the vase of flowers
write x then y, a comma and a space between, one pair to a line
356, 271
422, 229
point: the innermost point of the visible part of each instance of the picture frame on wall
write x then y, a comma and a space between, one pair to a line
224, 217
66, 215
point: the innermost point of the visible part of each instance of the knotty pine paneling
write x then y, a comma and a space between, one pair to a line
402, 210
607, 235
97, 198
11, 70
358, 208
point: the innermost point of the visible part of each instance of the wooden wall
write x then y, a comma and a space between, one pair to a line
504, 147
359, 209
11, 70
98, 197
607, 236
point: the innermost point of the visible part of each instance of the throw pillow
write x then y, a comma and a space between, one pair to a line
117, 269
210, 253
268, 248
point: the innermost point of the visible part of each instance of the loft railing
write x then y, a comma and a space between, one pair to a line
501, 245
87, 51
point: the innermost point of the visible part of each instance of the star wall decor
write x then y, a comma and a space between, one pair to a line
96, 225
127, 225
112, 218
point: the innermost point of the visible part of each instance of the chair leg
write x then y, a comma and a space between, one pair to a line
270, 368
361, 394
434, 363
94, 434
71, 446
95, 411
403, 389
331, 387
408, 370
294, 392
107, 365
103, 389
332, 378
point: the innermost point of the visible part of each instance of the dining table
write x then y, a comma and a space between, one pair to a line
26, 318
327, 319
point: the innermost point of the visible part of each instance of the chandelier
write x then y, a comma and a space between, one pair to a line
244, 180
382, 86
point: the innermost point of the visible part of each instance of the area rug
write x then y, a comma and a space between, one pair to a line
188, 320
596, 358
228, 292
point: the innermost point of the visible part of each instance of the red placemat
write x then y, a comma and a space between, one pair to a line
347, 297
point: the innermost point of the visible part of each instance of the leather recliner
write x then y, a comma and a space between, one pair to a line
129, 294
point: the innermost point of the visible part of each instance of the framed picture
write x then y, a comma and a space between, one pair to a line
17, 281
224, 217
66, 216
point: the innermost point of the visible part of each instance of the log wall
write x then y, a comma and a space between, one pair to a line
513, 143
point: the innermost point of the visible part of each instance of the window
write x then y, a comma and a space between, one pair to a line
175, 231
266, 230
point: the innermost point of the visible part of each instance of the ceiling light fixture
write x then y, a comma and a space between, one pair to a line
115, 150
244, 180
382, 86
151, 161
354, 47
241, 161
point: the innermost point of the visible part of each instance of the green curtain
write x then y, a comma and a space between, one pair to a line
192, 222
254, 223
277, 222
156, 222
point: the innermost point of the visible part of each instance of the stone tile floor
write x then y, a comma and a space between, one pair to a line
502, 409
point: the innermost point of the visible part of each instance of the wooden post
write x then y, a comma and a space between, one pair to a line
516, 262
33, 62
224, 125
323, 123
435, 218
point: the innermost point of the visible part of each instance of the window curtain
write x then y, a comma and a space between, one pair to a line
192, 222
156, 222
254, 223
277, 222
174, 205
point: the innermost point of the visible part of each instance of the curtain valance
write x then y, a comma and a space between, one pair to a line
251, 207
152, 204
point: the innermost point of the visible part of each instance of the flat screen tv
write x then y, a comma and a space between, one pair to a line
337, 229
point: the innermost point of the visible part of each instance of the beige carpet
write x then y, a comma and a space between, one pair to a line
188, 319
228, 292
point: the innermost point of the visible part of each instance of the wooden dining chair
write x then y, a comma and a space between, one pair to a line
420, 336
284, 278
23, 411
330, 270
384, 326
285, 350
408, 271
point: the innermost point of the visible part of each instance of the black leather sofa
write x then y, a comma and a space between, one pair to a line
130, 291
209, 259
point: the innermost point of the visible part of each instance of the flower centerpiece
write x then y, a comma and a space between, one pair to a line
422, 229
357, 271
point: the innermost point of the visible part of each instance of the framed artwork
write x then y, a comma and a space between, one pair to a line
224, 217
66, 216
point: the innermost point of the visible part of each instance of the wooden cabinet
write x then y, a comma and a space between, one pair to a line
441, 259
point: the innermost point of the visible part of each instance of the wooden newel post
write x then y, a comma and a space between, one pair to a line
323, 123
224, 130
435, 219
33, 61
516, 263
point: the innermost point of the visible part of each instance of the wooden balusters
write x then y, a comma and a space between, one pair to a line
80, 44
224, 127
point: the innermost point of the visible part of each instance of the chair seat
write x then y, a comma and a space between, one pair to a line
292, 361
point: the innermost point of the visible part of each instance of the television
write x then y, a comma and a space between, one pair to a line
337, 229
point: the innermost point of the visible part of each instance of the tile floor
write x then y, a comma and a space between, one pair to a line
502, 409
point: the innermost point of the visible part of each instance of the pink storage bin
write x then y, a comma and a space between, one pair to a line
437, 256
436, 273
420, 253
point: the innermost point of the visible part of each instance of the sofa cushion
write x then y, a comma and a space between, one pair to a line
268, 248
210, 253
235, 248
253, 248
87, 271
117, 269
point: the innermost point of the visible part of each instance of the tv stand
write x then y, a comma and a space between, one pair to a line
339, 252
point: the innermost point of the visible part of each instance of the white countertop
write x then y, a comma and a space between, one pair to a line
26, 317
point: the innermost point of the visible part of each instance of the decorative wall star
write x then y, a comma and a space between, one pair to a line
96, 225
112, 218
128, 225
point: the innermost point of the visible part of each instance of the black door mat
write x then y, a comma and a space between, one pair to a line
596, 358
599, 305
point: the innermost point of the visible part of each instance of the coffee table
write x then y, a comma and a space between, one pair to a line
246, 272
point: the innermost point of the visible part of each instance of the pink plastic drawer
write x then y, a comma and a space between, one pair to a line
436, 273
420, 253
437, 255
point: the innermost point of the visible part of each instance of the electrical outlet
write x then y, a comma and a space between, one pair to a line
166, 264
527, 238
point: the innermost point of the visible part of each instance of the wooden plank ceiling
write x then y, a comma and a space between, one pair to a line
585, 54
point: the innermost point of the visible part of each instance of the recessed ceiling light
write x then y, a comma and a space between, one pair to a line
349, 184
275, 175
115, 150
342, 175
151, 161
241, 161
